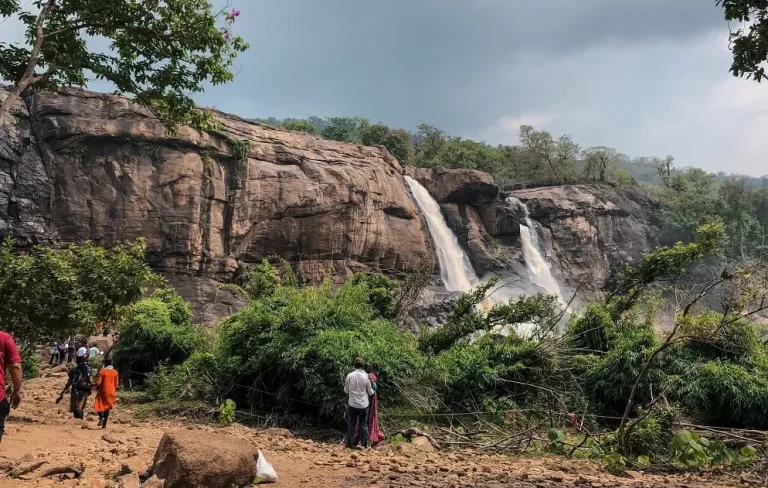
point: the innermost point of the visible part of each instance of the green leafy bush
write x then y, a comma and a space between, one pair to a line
300, 344
691, 451
726, 394
608, 382
49, 293
512, 368
652, 435
227, 412
594, 331
155, 331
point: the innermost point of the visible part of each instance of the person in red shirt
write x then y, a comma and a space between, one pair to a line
11, 361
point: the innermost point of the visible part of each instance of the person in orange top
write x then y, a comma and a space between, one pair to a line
106, 393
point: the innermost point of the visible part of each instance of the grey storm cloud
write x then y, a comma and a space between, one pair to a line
649, 77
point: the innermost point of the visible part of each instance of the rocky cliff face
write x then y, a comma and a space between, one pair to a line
591, 229
79, 166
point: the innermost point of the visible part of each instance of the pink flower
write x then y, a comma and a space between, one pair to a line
227, 36
235, 13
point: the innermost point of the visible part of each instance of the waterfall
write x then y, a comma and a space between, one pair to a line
455, 267
535, 262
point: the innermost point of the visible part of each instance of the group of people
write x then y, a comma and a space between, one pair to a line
361, 386
79, 379
69, 350
80, 386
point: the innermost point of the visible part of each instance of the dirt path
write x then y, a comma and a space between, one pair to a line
40, 430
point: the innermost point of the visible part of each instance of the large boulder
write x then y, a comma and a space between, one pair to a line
467, 186
193, 459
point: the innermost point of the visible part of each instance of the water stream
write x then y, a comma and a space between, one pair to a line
455, 268
535, 261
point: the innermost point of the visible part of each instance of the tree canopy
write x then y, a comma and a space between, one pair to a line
51, 293
160, 52
749, 42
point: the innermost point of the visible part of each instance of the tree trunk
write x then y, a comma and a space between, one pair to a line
28, 78
10, 100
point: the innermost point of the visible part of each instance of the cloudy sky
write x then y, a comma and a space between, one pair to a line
649, 77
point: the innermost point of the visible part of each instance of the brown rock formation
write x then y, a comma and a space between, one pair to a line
467, 186
591, 228
78, 165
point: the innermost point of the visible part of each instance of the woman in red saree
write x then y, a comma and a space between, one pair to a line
375, 434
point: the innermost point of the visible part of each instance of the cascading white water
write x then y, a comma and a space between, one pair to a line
455, 267
538, 268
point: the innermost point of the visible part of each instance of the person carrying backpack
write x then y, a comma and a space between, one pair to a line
79, 383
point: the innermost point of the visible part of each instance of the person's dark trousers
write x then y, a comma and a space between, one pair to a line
5, 409
357, 415
103, 417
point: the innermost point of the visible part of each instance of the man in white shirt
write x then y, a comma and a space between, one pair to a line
82, 352
93, 352
358, 387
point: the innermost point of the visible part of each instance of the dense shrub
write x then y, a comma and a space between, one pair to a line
594, 331
197, 379
381, 293
298, 344
607, 383
724, 393
652, 434
155, 331
513, 368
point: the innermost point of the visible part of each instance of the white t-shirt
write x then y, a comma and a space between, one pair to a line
93, 351
82, 352
358, 386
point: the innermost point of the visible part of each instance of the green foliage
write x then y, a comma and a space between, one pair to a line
227, 412
725, 393
633, 281
198, 379
156, 331
299, 125
382, 293
556, 441
344, 129
747, 42
52, 293
240, 149
653, 433
691, 451
161, 52
30, 366
594, 331
260, 281
466, 375
300, 344
609, 381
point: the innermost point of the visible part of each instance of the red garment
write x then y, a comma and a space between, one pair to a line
375, 434
8, 355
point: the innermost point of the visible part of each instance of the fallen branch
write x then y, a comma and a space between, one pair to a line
26, 468
76, 470
414, 432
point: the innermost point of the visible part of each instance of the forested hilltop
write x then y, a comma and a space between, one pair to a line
689, 197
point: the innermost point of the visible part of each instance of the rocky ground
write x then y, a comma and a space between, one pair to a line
40, 433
